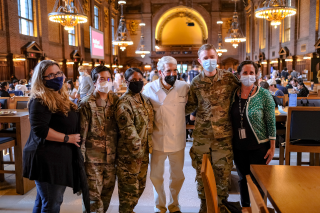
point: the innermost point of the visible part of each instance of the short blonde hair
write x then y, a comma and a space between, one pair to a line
23, 81
82, 69
206, 47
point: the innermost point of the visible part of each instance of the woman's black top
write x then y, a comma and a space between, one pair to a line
250, 142
4, 94
49, 161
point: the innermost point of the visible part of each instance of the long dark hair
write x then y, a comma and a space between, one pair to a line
71, 83
3, 86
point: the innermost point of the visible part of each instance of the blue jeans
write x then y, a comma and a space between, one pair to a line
82, 95
49, 198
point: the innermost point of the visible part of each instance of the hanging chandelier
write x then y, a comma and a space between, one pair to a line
67, 15
235, 37
141, 51
275, 11
220, 50
123, 36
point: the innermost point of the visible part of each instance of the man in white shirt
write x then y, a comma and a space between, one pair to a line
168, 97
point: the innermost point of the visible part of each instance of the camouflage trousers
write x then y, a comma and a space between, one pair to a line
101, 179
221, 155
132, 177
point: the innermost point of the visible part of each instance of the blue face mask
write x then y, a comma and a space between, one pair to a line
209, 64
81, 73
115, 72
55, 84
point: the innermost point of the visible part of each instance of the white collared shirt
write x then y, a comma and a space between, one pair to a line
169, 132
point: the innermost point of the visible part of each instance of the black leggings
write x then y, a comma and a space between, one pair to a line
243, 159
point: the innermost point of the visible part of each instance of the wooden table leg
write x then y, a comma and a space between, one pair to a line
311, 158
23, 185
316, 159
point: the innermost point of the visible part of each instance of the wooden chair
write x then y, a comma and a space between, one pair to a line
313, 101
257, 203
210, 186
16, 100
4, 102
303, 133
5, 143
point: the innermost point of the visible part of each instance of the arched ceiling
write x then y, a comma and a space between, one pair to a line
181, 11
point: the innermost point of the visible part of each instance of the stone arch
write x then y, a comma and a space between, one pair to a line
181, 11
196, 7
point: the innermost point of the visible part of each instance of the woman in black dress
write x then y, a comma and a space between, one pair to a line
51, 156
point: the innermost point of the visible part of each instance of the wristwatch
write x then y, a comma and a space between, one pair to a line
66, 139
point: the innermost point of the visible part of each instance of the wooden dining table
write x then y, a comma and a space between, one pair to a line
290, 189
21, 120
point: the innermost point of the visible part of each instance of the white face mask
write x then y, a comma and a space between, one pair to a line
259, 76
104, 87
248, 80
209, 65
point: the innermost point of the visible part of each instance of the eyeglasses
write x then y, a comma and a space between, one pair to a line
52, 76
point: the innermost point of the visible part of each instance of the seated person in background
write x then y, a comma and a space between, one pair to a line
303, 90
294, 84
13, 77
294, 74
264, 85
21, 86
13, 85
273, 88
289, 85
71, 90
4, 86
283, 89
285, 73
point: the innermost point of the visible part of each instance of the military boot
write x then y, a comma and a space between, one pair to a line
203, 206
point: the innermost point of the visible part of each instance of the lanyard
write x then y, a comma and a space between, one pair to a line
242, 110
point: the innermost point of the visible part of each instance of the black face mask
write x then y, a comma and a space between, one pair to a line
136, 86
170, 79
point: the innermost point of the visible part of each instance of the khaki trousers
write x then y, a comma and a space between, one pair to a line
176, 161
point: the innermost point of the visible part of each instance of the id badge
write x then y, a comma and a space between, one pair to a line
242, 133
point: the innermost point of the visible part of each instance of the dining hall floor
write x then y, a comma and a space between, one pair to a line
11, 202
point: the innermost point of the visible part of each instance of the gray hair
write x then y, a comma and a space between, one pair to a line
166, 60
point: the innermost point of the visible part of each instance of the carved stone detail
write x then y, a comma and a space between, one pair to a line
133, 26
86, 7
106, 16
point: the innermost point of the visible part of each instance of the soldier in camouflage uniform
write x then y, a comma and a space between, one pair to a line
210, 94
99, 139
134, 117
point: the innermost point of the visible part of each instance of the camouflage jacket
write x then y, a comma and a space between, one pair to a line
98, 128
211, 97
135, 123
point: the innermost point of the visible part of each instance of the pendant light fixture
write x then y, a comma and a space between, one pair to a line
220, 50
122, 34
68, 15
141, 51
275, 11
235, 36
